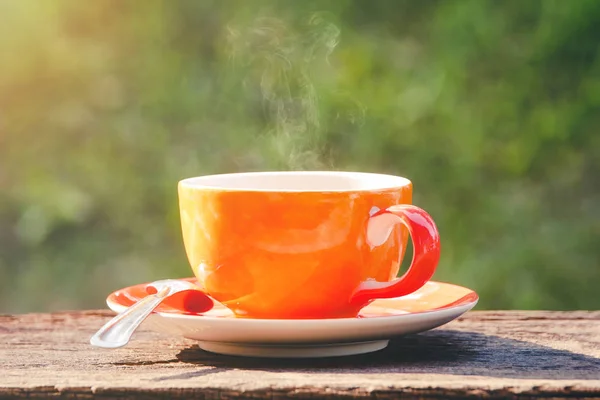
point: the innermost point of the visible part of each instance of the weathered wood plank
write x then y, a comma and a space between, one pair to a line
485, 354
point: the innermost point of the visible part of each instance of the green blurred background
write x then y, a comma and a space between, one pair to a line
490, 107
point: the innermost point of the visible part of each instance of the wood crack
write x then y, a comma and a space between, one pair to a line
145, 362
296, 393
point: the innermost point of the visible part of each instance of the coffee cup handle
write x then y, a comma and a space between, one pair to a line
426, 251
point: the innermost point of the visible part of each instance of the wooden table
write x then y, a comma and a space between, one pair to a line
484, 354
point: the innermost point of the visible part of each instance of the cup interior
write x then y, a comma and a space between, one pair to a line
297, 181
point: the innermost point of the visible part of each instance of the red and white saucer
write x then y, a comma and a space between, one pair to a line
218, 331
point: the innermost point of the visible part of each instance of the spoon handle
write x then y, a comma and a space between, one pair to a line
117, 332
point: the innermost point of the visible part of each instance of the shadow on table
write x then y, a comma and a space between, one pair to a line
439, 351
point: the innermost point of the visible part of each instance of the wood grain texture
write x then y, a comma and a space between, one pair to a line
482, 355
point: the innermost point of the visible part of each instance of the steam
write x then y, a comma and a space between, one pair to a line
282, 61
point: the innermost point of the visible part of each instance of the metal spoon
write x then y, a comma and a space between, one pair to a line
117, 332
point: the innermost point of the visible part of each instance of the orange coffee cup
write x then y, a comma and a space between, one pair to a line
311, 244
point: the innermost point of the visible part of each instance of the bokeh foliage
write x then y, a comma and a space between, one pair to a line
490, 107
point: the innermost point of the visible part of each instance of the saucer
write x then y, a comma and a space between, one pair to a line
219, 331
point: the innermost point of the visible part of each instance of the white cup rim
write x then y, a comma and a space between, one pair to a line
297, 181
